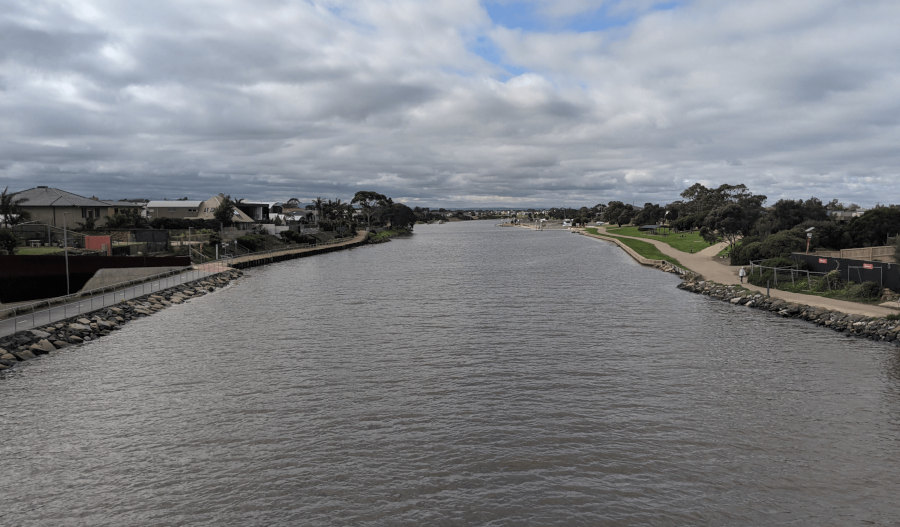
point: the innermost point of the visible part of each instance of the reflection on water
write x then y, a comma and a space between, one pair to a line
466, 375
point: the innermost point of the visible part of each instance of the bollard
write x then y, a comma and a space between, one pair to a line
767, 288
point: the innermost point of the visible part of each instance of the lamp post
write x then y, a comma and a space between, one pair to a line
66, 249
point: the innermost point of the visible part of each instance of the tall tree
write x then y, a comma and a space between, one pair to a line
224, 213
11, 209
732, 214
369, 202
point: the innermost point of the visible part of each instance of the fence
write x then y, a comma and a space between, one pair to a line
794, 275
791, 274
883, 253
62, 307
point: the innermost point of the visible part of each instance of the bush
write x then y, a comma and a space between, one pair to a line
783, 243
833, 280
296, 237
865, 290
746, 251
253, 242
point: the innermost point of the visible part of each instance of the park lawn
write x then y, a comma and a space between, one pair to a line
645, 249
30, 251
687, 242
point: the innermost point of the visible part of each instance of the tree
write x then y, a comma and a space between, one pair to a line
224, 213
618, 212
11, 209
650, 214
8, 241
369, 202
319, 206
401, 216
875, 226
126, 218
733, 213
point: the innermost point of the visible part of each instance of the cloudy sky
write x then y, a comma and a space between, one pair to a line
449, 103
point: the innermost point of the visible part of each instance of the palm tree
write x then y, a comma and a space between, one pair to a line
319, 203
11, 208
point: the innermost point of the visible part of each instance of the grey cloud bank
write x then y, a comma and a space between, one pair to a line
275, 99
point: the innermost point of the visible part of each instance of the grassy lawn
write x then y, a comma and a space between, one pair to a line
37, 250
683, 241
645, 249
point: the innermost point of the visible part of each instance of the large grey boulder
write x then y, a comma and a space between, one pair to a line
39, 334
43, 347
23, 354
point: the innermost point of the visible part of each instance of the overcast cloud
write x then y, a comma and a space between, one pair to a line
451, 103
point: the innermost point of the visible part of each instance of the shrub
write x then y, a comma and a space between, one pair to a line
252, 242
865, 290
833, 280
782, 243
746, 251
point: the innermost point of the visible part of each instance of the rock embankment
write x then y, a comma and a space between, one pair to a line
880, 329
28, 344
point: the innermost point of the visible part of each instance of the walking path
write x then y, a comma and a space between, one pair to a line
28, 315
707, 264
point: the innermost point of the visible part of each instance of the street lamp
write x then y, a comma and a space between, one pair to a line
809, 237
66, 249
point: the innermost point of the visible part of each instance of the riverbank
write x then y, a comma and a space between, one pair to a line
72, 331
708, 275
873, 328
50, 338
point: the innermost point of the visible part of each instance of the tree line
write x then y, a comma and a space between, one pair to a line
754, 231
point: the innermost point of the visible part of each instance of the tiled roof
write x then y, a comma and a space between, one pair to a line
54, 197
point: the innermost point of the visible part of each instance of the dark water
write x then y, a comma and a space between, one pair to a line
468, 375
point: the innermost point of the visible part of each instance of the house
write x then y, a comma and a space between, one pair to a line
181, 209
208, 210
257, 210
59, 208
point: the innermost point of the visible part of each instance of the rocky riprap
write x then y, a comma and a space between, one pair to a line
28, 344
880, 329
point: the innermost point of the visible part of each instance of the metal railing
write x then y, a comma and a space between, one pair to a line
44, 311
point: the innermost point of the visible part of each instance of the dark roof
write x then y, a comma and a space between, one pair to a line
54, 197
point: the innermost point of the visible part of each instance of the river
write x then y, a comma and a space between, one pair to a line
466, 375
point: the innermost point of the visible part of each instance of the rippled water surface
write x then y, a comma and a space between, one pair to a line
467, 375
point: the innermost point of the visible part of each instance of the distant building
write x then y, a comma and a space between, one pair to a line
182, 209
56, 207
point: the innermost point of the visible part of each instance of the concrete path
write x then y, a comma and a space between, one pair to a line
706, 264
28, 315
34, 314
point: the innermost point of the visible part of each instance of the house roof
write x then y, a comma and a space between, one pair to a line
214, 202
123, 204
173, 204
54, 197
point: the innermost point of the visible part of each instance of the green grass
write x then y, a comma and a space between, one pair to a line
386, 235
29, 251
645, 249
686, 242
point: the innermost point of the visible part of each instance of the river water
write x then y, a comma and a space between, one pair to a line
467, 375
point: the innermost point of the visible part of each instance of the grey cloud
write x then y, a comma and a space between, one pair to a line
272, 100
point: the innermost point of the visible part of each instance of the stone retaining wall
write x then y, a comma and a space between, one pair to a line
880, 329
28, 344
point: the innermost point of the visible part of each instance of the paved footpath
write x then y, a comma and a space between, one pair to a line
707, 264
28, 315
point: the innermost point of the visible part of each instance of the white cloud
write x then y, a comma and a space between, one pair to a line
270, 99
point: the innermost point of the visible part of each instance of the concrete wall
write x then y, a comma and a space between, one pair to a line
108, 277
